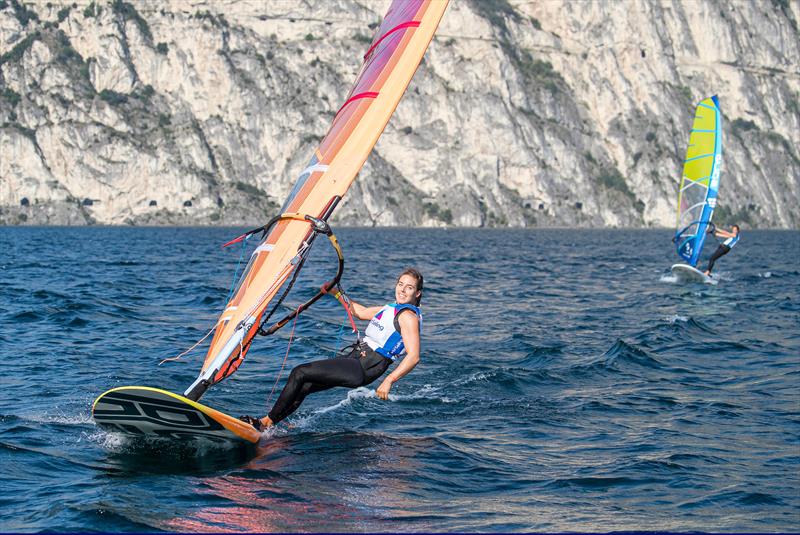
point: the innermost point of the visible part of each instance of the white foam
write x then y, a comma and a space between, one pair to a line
357, 393
477, 376
110, 441
364, 393
304, 422
721, 276
426, 392
668, 278
120, 442
675, 318
272, 432
67, 419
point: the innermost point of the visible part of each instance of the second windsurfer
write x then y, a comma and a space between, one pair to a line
724, 247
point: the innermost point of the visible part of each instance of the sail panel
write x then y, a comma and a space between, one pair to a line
697, 195
391, 60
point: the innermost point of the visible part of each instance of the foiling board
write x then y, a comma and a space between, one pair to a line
150, 412
686, 273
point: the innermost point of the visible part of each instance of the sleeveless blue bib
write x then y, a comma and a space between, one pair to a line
383, 334
730, 242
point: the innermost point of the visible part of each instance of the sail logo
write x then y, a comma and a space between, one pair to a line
715, 175
712, 202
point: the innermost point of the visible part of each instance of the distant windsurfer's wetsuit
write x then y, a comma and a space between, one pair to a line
723, 249
357, 365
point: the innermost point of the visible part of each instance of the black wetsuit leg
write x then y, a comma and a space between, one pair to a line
722, 250
349, 371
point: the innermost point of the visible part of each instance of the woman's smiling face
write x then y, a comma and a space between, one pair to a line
406, 290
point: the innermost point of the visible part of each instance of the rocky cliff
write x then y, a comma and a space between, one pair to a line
522, 113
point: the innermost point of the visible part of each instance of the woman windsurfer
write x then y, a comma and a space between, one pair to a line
393, 331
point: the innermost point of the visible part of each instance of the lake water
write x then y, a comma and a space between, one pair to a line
566, 383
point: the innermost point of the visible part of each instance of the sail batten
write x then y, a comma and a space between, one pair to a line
389, 64
698, 182
697, 193
710, 155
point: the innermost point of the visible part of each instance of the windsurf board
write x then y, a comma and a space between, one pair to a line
687, 273
151, 412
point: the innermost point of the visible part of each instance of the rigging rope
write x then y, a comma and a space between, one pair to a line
239, 263
339, 339
230, 295
171, 359
285, 357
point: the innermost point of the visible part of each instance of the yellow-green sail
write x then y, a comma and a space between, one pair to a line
697, 195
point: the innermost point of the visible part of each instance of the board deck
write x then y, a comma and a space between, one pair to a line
151, 412
687, 273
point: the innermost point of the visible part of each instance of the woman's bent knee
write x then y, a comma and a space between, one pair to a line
298, 374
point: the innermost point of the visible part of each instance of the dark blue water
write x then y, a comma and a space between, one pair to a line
565, 384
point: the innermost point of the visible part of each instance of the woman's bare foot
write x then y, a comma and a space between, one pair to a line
266, 421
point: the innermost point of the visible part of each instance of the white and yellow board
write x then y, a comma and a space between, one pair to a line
150, 412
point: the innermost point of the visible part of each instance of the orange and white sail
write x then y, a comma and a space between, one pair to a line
389, 64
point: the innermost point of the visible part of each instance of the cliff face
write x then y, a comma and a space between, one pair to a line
522, 114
